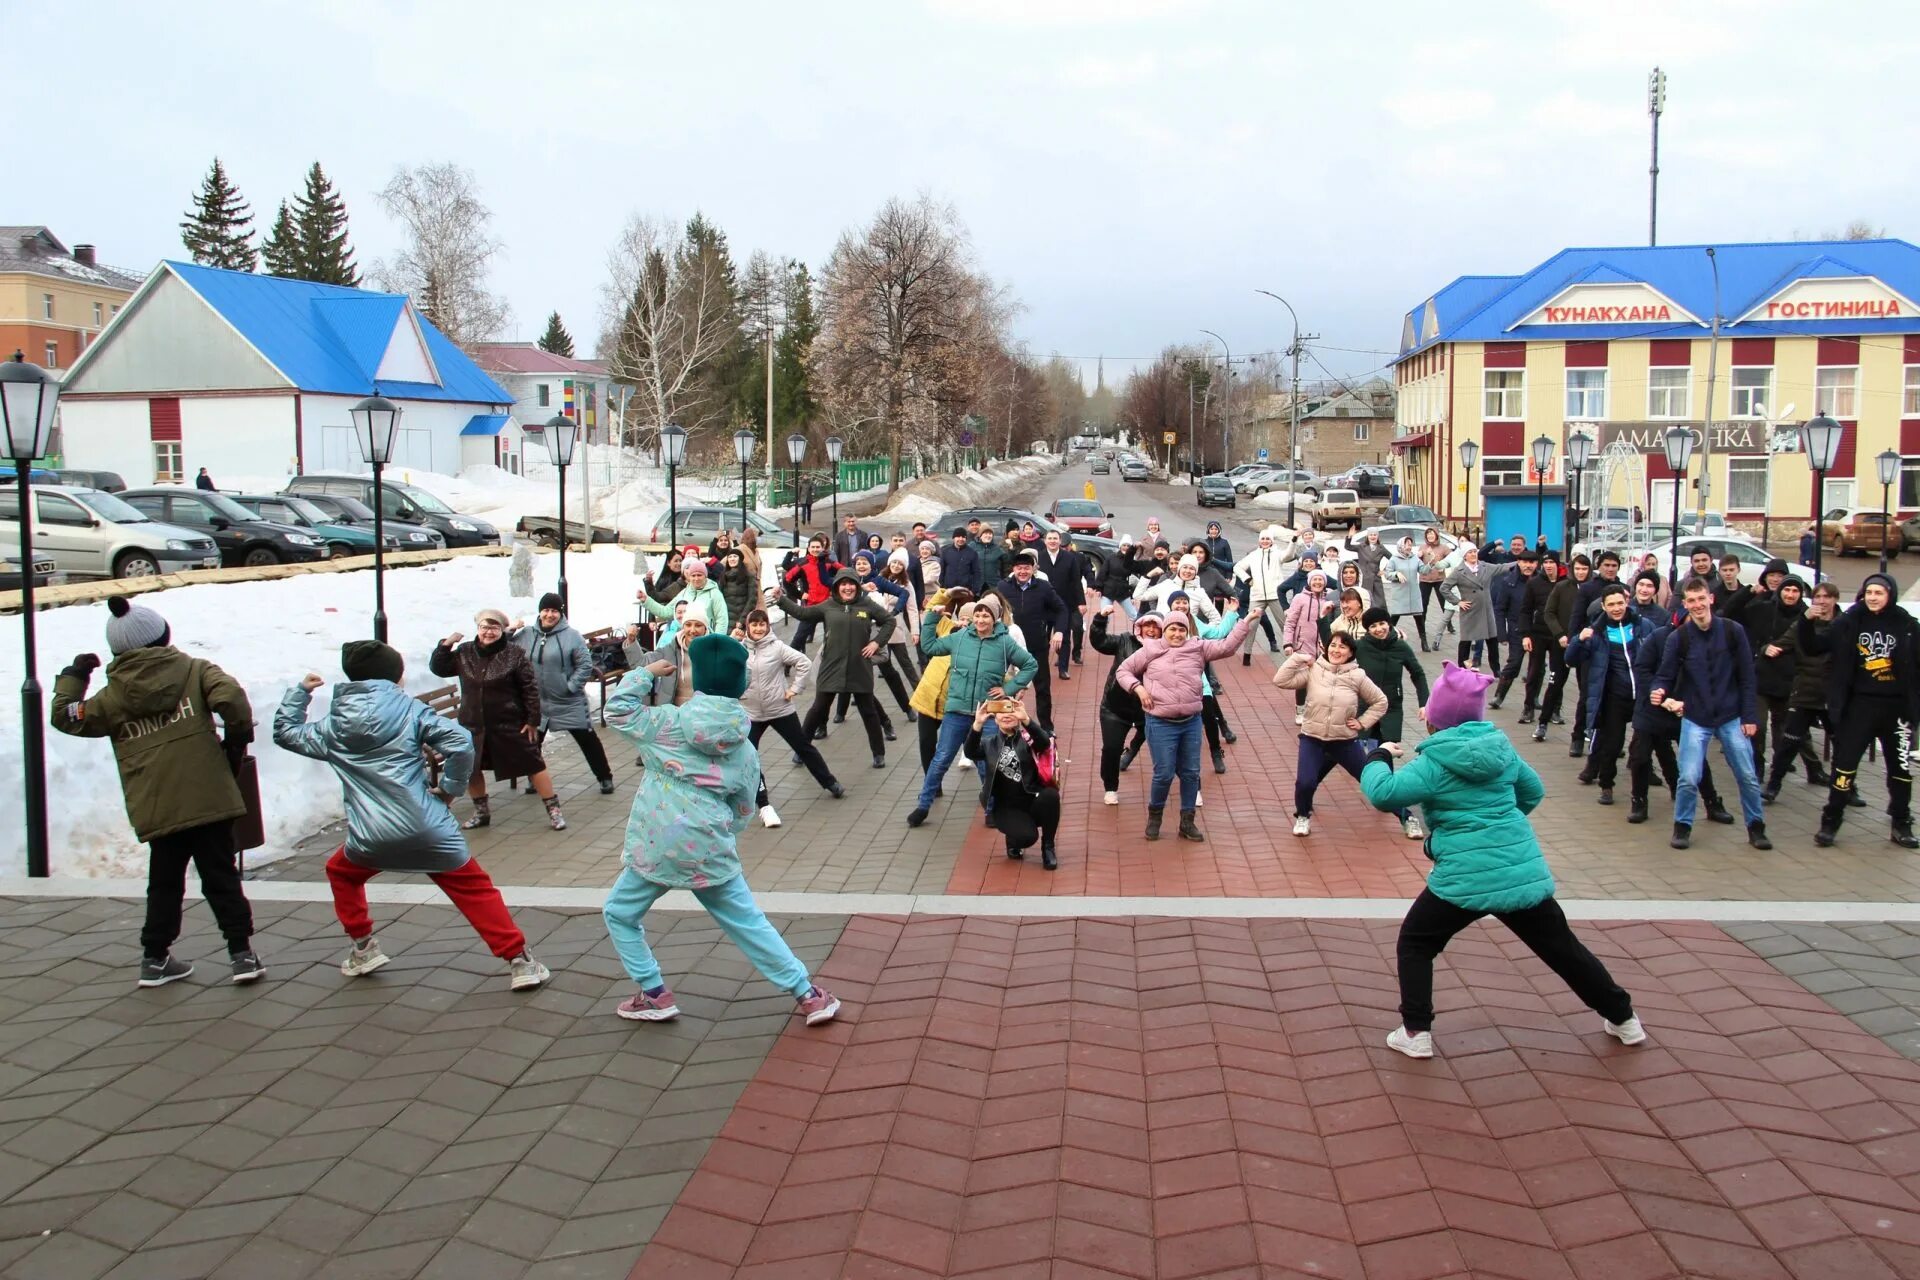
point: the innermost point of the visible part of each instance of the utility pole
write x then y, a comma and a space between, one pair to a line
1226, 404
1656, 103
1293, 407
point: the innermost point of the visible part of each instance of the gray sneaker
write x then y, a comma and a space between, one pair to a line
158, 973
528, 973
247, 968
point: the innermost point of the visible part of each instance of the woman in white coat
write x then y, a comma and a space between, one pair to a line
1400, 581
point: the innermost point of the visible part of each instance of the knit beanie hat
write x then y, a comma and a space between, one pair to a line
371, 660
1274, 532
552, 600
898, 557
1190, 561
1149, 619
1376, 614
1459, 695
490, 615
1177, 595
1884, 579
719, 665
991, 604
133, 627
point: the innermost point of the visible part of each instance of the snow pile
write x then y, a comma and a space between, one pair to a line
933, 496
267, 635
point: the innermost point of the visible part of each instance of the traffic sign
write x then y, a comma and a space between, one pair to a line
1260, 456
1169, 437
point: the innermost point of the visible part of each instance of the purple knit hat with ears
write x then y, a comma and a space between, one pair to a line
1459, 695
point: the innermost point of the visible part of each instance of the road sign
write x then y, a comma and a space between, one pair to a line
966, 438
1169, 437
1260, 456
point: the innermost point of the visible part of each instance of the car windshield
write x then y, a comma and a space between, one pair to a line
108, 507
305, 509
352, 507
1081, 507
225, 506
425, 501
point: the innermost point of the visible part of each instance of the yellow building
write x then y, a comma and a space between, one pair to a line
1619, 344
54, 303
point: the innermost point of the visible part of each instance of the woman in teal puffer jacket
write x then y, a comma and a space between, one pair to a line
1475, 793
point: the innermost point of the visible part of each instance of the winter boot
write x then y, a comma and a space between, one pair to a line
1126, 756
1816, 776
1717, 811
1771, 791
1757, 835
1189, 829
482, 814
1682, 836
1500, 693
1526, 715
1219, 762
1153, 822
1636, 809
1903, 834
555, 818
1049, 859
1226, 732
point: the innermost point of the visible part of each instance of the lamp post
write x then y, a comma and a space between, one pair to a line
673, 452
376, 424
1579, 454
1226, 411
743, 450
561, 434
1293, 406
1470, 454
1889, 472
834, 447
27, 399
1679, 446
1542, 459
796, 454
1820, 435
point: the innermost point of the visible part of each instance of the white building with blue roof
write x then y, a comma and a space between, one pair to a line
253, 376
1618, 343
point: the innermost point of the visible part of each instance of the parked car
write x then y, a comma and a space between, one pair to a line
1851, 530
545, 530
1215, 491
46, 573
1095, 547
292, 509
406, 502
1608, 522
1132, 469
1409, 513
1369, 481
243, 537
1910, 533
90, 534
412, 537
699, 524
1337, 507
1390, 534
1752, 556
104, 481
1261, 480
1100, 466
1078, 514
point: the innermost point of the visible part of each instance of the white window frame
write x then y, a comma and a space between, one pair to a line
1737, 393
1839, 493
1660, 399
1906, 491
540, 395
1587, 401
1506, 401
1362, 432
1750, 466
163, 452
46, 306
1503, 473
1837, 398
51, 352
98, 313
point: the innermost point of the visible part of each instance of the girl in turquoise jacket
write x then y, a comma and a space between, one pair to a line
1475, 793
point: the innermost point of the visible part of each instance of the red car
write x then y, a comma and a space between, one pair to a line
1077, 514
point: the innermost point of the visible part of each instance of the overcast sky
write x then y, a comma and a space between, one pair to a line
1134, 169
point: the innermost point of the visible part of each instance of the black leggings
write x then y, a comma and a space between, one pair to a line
929, 739
1868, 720
788, 727
885, 670
1035, 818
591, 748
1419, 623
1467, 647
210, 850
1211, 720
870, 716
1113, 740
1432, 922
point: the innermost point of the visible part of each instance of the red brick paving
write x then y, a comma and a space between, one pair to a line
1178, 1098
1354, 852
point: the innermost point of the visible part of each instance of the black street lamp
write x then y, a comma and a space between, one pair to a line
796, 454
1679, 446
1889, 472
834, 447
1470, 454
27, 399
1820, 435
1579, 454
743, 450
673, 452
376, 424
1542, 459
562, 432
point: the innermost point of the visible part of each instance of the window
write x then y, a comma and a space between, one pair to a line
53, 355
1908, 492
1669, 393
1910, 401
1497, 472
541, 391
115, 309
1506, 393
1752, 392
54, 509
1833, 391
152, 506
97, 309
1839, 495
1586, 394
1747, 484
166, 468
1362, 432
46, 306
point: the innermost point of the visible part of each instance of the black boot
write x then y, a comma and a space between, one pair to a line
1526, 716
1770, 792
1903, 834
1047, 859
1576, 749
1682, 836
1189, 829
1246, 659
1219, 762
1017, 855
1153, 822
1500, 694
1717, 812
1816, 776
1226, 732
1757, 835
1636, 809
1126, 756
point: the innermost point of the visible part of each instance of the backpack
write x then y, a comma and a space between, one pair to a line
607, 657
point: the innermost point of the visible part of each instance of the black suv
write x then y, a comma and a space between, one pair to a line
1094, 547
406, 502
243, 538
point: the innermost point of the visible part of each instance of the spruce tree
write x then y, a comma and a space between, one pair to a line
218, 230
320, 217
556, 339
280, 251
794, 405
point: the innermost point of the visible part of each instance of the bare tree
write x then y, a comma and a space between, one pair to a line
669, 314
449, 251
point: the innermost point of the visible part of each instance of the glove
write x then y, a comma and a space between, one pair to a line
83, 666
1381, 754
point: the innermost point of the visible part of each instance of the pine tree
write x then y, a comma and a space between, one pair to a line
218, 230
794, 404
556, 339
280, 251
320, 217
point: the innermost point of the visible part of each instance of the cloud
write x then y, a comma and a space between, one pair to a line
1059, 13
1439, 108
1093, 71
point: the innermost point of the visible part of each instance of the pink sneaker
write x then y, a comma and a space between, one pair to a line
819, 1005
641, 1007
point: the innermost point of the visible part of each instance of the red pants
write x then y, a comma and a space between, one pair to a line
471, 889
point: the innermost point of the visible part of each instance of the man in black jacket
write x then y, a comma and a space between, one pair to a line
1066, 571
1542, 650
1769, 611
1509, 592
960, 563
851, 539
1042, 619
1873, 693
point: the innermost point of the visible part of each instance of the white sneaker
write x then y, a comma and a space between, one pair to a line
768, 818
1416, 1045
1299, 718
1199, 799
1302, 825
1628, 1032
1413, 828
527, 973
1112, 797
364, 958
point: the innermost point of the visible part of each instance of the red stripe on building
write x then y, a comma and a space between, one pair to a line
163, 418
1839, 351
1503, 439
1913, 348
1587, 355
1843, 463
1506, 355
1670, 353
1753, 351
1910, 437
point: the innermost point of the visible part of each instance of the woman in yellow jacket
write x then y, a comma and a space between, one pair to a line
929, 698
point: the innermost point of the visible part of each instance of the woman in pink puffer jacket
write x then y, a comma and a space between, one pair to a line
1166, 676
1301, 631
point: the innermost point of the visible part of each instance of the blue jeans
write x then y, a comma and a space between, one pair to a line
732, 907
1175, 748
953, 735
1693, 757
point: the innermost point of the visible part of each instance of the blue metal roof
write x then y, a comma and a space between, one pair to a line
330, 339
485, 424
1750, 274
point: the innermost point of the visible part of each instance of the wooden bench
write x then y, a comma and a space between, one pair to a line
446, 701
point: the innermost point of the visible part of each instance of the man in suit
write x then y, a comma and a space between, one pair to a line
1066, 571
850, 540
1042, 618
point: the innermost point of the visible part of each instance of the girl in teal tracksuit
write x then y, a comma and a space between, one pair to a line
1476, 793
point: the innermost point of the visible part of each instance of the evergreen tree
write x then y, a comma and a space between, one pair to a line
794, 405
704, 256
320, 217
280, 251
556, 339
218, 230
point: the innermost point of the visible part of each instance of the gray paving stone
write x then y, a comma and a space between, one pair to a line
177, 1262
125, 1220
66, 1257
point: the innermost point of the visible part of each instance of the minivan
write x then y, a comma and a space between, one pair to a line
91, 534
405, 502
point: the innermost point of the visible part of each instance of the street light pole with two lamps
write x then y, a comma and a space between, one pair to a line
28, 396
1579, 454
562, 432
376, 425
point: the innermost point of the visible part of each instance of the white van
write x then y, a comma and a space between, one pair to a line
91, 534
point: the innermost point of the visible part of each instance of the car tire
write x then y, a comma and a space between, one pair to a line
1260, 493
135, 564
259, 556
338, 549
1839, 547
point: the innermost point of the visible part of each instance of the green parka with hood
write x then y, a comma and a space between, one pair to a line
850, 626
978, 664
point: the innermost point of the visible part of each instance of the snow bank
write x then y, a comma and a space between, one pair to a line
266, 635
931, 497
